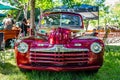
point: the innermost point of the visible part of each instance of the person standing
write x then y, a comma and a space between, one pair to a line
8, 22
2, 46
94, 33
24, 27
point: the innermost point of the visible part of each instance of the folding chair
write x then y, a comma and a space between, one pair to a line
2, 48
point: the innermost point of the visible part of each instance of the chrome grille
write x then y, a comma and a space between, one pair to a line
59, 59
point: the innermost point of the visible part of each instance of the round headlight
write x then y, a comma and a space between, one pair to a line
96, 47
23, 47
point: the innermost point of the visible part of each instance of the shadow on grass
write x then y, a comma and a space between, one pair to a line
49, 75
7, 68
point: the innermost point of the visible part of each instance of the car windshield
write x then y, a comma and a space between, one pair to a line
70, 21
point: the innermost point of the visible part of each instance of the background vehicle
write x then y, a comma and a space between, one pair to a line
59, 45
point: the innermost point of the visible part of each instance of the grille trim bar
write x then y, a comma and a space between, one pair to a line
58, 48
57, 62
52, 58
54, 54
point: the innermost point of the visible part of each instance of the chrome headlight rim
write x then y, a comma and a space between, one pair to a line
96, 47
23, 47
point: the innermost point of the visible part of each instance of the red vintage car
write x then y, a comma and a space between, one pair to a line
59, 44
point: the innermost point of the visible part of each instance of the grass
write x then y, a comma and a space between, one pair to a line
109, 71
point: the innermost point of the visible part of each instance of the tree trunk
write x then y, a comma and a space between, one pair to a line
107, 31
87, 24
25, 10
32, 17
19, 13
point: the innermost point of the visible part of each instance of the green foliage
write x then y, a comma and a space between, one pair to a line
44, 4
116, 15
68, 2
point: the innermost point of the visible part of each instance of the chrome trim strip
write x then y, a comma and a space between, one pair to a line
88, 37
58, 48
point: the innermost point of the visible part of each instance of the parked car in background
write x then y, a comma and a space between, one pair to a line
60, 45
